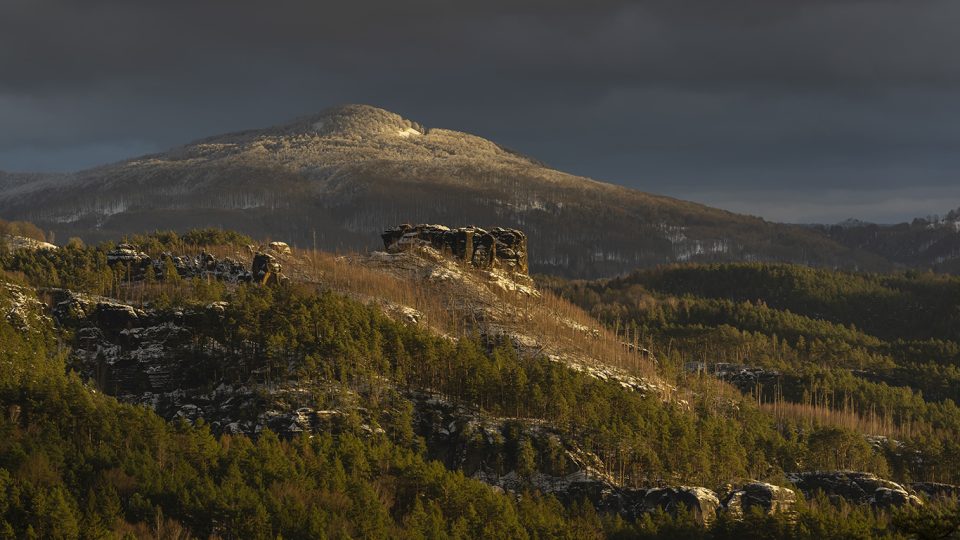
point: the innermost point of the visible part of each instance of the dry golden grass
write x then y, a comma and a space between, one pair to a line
456, 308
452, 308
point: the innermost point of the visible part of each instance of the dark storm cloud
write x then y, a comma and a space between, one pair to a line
750, 101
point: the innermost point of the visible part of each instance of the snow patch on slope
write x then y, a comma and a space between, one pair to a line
22, 242
408, 132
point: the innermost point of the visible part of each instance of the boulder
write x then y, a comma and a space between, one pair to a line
884, 497
854, 487
770, 499
280, 248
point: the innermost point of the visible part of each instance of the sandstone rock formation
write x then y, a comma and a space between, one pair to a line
265, 269
129, 257
498, 248
149, 357
700, 502
744, 377
770, 499
204, 266
14, 242
126, 253
854, 487
280, 247
75, 311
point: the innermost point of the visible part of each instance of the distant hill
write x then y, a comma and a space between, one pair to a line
336, 179
932, 242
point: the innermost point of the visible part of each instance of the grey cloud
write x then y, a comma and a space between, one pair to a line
796, 205
705, 42
695, 97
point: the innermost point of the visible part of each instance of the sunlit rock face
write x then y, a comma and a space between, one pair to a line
265, 267
854, 487
498, 248
700, 502
770, 499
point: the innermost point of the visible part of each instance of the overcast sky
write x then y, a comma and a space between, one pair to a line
796, 111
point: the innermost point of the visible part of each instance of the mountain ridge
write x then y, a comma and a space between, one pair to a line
336, 178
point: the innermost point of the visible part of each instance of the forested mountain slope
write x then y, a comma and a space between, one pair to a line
342, 403
932, 242
336, 179
874, 353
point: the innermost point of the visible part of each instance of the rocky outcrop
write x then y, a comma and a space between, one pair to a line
746, 378
280, 247
770, 499
135, 262
701, 503
162, 360
498, 248
15, 242
21, 307
76, 311
485, 448
126, 254
265, 269
854, 487
204, 266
